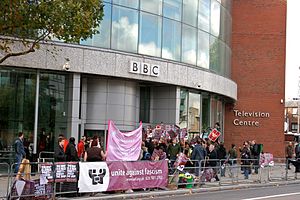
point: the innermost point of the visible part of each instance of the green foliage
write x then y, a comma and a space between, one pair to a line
33, 21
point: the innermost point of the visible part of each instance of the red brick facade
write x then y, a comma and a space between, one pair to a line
258, 68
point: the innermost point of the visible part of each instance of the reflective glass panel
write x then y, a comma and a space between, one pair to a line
172, 9
214, 55
128, 3
17, 106
205, 114
150, 35
102, 39
183, 114
203, 49
124, 29
152, 6
171, 39
215, 18
190, 8
53, 110
194, 113
189, 43
204, 15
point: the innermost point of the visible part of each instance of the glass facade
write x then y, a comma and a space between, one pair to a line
17, 106
196, 32
199, 112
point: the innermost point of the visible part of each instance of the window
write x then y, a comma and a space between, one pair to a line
128, 3
171, 47
102, 39
183, 115
203, 49
189, 44
145, 104
215, 18
172, 9
194, 113
190, 8
204, 15
124, 29
152, 6
150, 35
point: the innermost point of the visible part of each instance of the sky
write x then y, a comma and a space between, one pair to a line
292, 74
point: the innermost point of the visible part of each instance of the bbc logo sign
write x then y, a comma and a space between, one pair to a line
144, 68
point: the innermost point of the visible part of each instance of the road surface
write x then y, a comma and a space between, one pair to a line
286, 192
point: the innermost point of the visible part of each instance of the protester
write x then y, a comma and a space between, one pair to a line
158, 153
144, 155
289, 154
198, 155
221, 152
246, 159
173, 151
65, 141
59, 153
232, 154
81, 147
94, 153
71, 152
19, 151
255, 155
212, 156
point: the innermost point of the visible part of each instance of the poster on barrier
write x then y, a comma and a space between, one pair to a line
120, 175
72, 172
60, 172
266, 159
47, 172
30, 188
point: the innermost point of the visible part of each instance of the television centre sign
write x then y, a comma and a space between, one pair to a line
244, 118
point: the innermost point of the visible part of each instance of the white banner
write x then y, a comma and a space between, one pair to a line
93, 177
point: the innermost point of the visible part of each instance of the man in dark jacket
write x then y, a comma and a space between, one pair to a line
221, 151
19, 150
71, 151
255, 153
198, 155
212, 160
59, 153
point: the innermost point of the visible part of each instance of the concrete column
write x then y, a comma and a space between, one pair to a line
74, 105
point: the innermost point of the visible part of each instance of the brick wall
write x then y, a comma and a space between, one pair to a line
258, 68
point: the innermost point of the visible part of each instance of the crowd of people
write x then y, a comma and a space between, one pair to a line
197, 151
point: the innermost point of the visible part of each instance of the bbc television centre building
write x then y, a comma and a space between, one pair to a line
154, 60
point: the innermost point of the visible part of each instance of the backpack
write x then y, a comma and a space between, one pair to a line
146, 156
297, 151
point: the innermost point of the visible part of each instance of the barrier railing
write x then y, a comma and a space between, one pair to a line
4, 180
61, 179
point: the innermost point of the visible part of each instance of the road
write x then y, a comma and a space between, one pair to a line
286, 192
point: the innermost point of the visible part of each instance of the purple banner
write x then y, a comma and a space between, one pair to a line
110, 176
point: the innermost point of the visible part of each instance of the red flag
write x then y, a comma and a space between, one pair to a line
214, 134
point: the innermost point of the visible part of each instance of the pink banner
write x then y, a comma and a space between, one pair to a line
112, 176
123, 146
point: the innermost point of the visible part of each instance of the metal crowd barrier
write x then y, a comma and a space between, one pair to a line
48, 183
4, 180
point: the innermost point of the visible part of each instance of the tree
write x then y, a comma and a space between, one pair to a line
24, 24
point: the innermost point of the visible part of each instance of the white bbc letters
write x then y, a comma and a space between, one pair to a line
144, 68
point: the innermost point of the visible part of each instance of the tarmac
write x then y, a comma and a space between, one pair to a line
265, 178
162, 193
